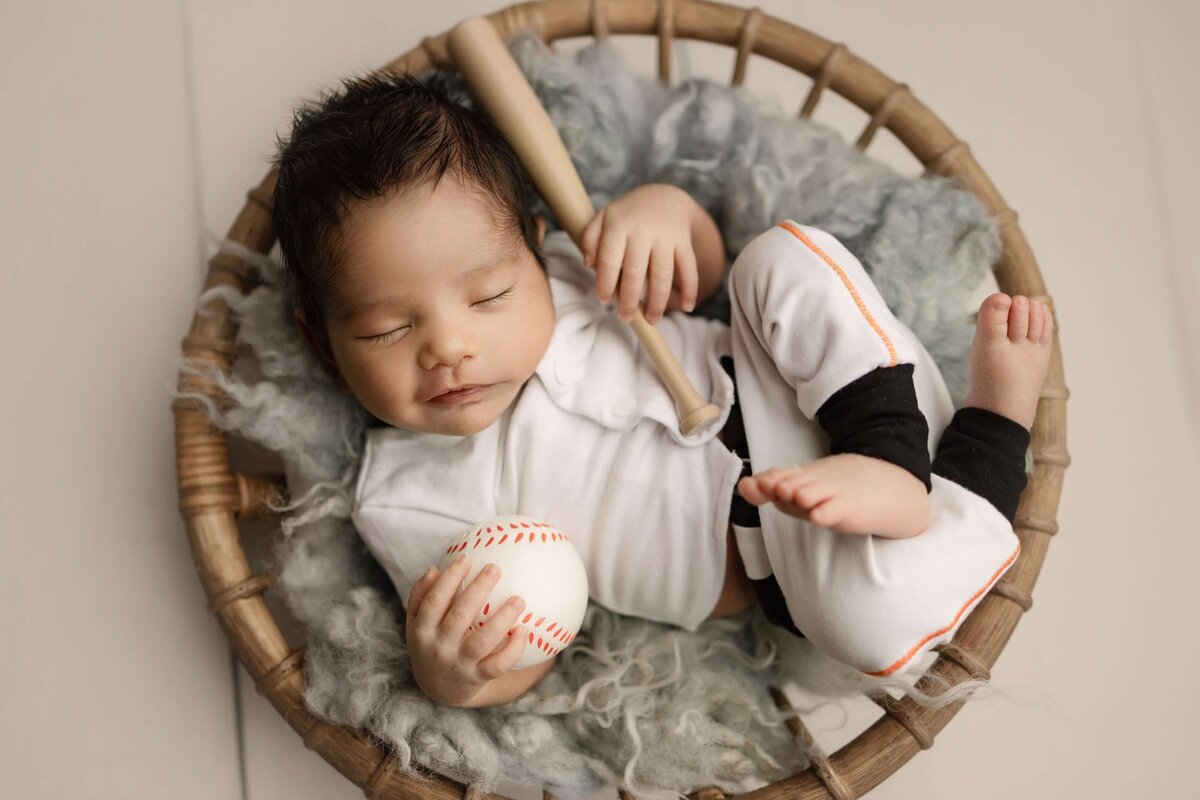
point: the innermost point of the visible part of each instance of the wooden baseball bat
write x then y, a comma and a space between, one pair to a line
501, 88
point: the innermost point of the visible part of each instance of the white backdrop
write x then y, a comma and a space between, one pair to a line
133, 128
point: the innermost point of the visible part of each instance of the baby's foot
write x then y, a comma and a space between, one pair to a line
1009, 356
847, 493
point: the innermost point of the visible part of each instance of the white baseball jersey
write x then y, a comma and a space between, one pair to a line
592, 445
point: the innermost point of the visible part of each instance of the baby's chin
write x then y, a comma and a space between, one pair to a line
462, 425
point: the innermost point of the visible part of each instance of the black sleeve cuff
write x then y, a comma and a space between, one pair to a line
877, 415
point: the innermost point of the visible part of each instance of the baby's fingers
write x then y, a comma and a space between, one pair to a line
610, 253
438, 597
497, 623
419, 590
689, 276
501, 662
468, 605
633, 277
662, 273
590, 238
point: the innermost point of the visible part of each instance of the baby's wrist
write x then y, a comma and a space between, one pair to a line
455, 694
434, 684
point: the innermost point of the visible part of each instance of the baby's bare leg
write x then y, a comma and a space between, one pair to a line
857, 494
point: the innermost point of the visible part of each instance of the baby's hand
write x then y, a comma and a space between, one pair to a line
647, 230
451, 663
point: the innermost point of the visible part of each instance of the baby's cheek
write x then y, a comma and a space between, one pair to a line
531, 338
382, 391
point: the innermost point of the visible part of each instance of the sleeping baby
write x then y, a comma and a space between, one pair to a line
503, 379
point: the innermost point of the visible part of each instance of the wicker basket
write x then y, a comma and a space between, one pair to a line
214, 500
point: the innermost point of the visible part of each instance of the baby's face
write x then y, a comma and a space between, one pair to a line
437, 297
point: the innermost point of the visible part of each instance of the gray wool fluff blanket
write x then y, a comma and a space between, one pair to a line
641, 705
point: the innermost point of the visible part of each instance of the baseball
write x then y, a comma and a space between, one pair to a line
537, 562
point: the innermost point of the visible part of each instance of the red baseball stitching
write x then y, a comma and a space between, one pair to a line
556, 536
550, 635
561, 634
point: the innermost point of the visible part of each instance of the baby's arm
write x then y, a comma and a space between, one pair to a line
660, 231
453, 665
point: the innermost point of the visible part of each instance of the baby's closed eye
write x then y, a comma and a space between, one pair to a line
395, 334
498, 298
387, 337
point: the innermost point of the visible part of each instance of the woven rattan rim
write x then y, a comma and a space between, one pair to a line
212, 499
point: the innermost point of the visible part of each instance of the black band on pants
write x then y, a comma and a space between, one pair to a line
984, 452
877, 415
980, 450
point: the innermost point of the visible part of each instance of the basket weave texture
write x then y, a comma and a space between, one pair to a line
214, 500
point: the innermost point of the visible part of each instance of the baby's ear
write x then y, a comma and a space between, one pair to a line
540, 222
320, 349
307, 335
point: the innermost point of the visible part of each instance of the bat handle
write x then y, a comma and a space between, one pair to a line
503, 91
695, 413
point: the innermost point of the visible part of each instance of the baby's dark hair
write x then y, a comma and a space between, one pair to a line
373, 136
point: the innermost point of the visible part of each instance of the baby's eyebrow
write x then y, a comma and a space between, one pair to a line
348, 311
483, 269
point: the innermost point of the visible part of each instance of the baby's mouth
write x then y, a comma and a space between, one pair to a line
460, 395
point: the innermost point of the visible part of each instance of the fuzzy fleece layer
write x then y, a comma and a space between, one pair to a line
644, 706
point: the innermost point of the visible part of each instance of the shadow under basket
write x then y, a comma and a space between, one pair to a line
216, 503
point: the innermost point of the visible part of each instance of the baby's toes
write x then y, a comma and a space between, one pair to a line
827, 515
768, 479
785, 489
1047, 325
751, 492
807, 495
775, 479
1037, 321
993, 317
1018, 319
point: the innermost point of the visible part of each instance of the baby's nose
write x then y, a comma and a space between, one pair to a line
446, 349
